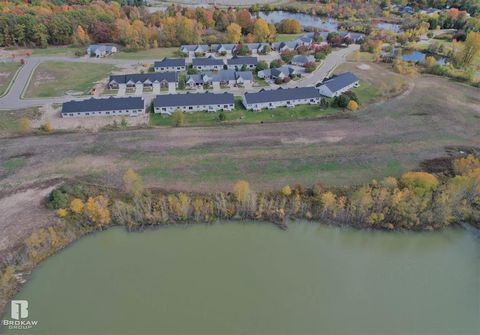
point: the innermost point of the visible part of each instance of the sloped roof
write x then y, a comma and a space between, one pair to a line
282, 94
170, 77
193, 99
241, 60
194, 47
302, 59
231, 47
245, 75
168, 62
340, 81
108, 104
204, 61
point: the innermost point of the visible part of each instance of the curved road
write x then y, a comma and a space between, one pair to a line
13, 98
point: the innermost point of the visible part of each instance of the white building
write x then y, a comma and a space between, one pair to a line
193, 102
281, 97
170, 65
338, 84
131, 106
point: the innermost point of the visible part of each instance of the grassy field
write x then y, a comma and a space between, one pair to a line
9, 120
7, 72
240, 115
157, 53
52, 79
381, 139
287, 37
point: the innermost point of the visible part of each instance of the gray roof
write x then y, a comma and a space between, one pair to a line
282, 94
237, 60
256, 46
231, 47
220, 76
290, 45
197, 78
108, 104
204, 61
170, 77
194, 47
192, 99
245, 75
167, 62
286, 70
302, 59
100, 47
340, 81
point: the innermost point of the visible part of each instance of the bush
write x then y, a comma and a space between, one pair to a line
342, 101
58, 199
222, 117
178, 118
276, 63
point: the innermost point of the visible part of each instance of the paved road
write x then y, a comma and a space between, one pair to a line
13, 99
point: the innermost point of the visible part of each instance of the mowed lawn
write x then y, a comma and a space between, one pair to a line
287, 37
241, 116
51, 79
66, 51
7, 72
156, 53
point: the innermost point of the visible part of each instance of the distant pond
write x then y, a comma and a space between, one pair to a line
419, 57
304, 19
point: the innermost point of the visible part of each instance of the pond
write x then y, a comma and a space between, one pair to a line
304, 19
419, 57
254, 278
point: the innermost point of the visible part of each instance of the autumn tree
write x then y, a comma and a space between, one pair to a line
429, 61
61, 212
470, 50
47, 127
286, 190
352, 105
132, 183
290, 26
97, 210
178, 118
76, 205
80, 37
24, 125
261, 31
420, 181
241, 190
234, 33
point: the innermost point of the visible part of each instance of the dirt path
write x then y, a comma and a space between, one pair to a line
23, 212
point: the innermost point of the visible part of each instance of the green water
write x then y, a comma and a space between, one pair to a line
257, 279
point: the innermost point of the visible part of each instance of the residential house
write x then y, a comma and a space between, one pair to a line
99, 50
131, 106
338, 84
207, 64
305, 40
281, 97
228, 78
301, 60
193, 102
156, 80
354, 37
278, 73
193, 49
256, 48
238, 62
285, 46
170, 65
224, 49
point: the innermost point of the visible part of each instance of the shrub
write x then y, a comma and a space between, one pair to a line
178, 118
422, 181
352, 105
61, 212
222, 117
47, 127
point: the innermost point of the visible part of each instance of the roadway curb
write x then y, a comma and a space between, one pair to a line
22, 95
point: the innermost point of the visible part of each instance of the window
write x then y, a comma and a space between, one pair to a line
71, 114
190, 107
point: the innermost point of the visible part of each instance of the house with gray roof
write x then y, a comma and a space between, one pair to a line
167, 104
257, 48
281, 97
338, 84
237, 62
131, 106
100, 50
164, 79
285, 46
193, 49
281, 72
208, 63
224, 49
170, 65
230, 78
301, 60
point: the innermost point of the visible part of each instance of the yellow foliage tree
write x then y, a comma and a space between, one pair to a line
470, 50
286, 191
234, 33
47, 126
24, 125
352, 105
261, 31
423, 181
76, 206
97, 210
132, 183
61, 212
430, 61
466, 164
241, 189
